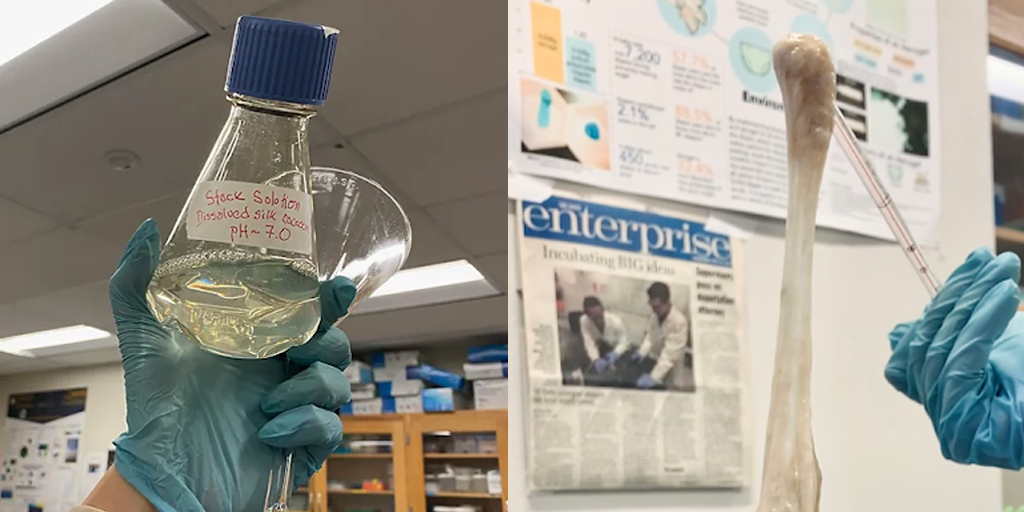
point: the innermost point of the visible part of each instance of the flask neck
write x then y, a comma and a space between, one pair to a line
262, 141
251, 105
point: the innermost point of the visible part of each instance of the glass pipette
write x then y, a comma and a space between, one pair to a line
846, 140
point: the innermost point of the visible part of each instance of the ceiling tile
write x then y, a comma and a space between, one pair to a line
321, 132
92, 357
495, 268
349, 159
6, 359
86, 304
117, 227
16, 221
59, 258
475, 223
398, 58
168, 113
446, 155
429, 244
441, 321
226, 12
25, 365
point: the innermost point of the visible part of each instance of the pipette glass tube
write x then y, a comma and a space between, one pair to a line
846, 140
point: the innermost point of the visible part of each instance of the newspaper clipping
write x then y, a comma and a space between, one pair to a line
635, 350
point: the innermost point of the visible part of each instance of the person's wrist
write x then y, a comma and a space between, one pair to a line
114, 494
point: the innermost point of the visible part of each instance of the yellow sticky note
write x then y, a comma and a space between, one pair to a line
547, 42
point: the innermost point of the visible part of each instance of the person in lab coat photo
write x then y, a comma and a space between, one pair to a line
668, 342
604, 334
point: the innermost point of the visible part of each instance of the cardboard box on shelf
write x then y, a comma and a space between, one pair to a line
398, 388
359, 372
369, 407
488, 354
401, 358
394, 373
422, 372
364, 391
409, 404
478, 371
490, 394
443, 400
437, 376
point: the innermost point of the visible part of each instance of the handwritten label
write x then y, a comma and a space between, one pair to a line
250, 214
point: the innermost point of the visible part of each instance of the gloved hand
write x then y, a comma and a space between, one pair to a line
603, 363
646, 381
205, 431
636, 357
964, 361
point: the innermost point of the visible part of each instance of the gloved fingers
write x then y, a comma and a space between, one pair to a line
329, 346
935, 315
896, 367
134, 271
321, 384
308, 460
972, 302
306, 425
898, 332
968, 360
310, 432
336, 296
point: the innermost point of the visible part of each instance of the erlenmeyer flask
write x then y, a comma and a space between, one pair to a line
239, 271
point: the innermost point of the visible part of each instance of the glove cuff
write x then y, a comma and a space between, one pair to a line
166, 492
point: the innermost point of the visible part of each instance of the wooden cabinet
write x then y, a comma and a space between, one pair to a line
374, 451
425, 429
403, 465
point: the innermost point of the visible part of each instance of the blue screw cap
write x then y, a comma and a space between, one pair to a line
281, 60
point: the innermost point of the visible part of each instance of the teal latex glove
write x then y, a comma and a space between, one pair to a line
205, 431
963, 360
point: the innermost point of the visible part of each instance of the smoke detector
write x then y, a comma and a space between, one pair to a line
122, 161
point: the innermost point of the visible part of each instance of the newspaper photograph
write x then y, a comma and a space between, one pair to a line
635, 349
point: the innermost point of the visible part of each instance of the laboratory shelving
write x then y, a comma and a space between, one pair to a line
400, 451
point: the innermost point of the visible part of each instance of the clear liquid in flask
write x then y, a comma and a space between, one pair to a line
238, 303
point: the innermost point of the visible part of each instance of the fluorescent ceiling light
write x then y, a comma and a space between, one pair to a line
430, 276
26, 24
432, 284
23, 344
52, 50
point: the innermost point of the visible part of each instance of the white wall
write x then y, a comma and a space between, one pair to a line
876, 448
104, 403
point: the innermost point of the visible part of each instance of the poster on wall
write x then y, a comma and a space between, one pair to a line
635, 349
677, 99
42, 438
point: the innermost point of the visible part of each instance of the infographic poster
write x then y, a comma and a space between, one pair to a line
42, 437
678, 99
